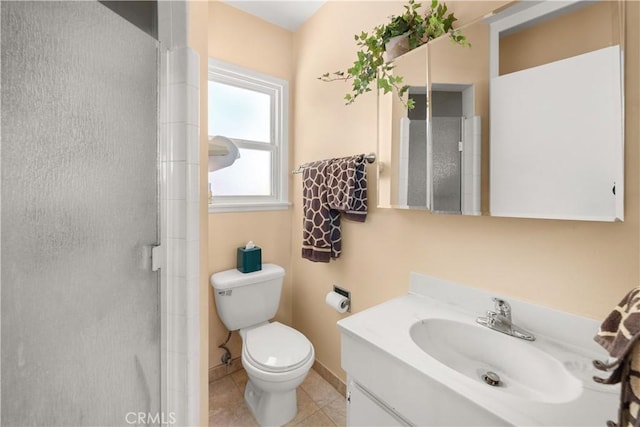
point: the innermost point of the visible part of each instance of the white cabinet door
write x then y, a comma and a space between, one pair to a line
363, 409
557, 148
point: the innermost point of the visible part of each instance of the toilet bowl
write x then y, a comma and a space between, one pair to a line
276, 357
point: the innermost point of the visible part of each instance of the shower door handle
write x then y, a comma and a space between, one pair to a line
150, 257
157, 257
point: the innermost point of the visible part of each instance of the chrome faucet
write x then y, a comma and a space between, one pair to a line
500, 320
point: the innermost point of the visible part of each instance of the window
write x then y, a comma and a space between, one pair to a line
251, 109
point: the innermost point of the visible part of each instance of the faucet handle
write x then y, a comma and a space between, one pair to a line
502, 307
491, 318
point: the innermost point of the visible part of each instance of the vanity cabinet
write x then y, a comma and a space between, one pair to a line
399, 373
364, 409
387, 392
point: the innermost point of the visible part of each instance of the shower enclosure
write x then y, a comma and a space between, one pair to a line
83, 322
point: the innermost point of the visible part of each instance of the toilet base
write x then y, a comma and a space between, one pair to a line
271, 409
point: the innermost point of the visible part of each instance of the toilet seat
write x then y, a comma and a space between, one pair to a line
274, 347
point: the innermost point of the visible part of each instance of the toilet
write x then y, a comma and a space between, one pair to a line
277, 358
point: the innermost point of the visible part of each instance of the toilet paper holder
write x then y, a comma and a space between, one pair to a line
345, 293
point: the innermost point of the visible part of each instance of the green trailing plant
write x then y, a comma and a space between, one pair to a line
371, 65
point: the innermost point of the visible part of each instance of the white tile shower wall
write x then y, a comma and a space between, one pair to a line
181, 163
176, 149
180, 205
193, 237
172, 23
179, 24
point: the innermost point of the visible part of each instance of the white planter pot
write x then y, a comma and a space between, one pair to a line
396, 46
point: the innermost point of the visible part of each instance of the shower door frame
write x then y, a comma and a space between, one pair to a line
178, 255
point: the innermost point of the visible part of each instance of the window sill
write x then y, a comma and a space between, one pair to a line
249, 207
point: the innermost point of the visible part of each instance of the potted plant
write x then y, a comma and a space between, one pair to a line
387, 41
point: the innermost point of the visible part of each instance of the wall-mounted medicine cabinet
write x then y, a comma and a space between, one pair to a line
527, 122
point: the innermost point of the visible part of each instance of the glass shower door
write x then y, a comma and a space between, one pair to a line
80, 308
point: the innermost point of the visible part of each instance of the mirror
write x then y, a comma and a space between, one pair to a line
431, 154
551, 148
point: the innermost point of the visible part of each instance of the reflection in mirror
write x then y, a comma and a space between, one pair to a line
458, 79
413, 148
403, 179
432, 153
449, 145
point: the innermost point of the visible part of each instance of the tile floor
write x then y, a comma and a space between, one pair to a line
319, 404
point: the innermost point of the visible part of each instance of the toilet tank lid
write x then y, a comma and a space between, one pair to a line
233, 278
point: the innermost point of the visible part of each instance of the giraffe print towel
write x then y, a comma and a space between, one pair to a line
331, 188
347, 187
619, 335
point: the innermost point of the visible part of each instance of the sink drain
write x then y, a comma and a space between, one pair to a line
491, 378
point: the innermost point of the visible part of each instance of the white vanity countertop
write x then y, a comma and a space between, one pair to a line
566, 337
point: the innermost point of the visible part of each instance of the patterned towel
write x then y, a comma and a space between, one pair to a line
331, 188
347, 185
317, 243
619, 335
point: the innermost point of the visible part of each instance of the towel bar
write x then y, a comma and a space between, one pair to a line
370, 158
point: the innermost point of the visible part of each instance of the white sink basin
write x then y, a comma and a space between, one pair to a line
473, 350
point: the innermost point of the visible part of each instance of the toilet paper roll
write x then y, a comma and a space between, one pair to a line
338, 302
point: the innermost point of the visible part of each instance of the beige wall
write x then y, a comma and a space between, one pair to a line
581, 31
198, 41
580, 267
242, 39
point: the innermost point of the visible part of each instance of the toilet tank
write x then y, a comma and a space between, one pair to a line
247, 299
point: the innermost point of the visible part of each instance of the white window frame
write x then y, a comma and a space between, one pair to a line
278, 90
